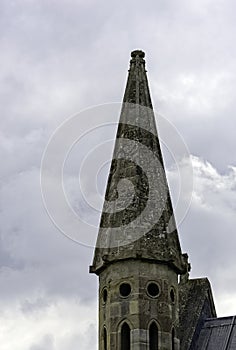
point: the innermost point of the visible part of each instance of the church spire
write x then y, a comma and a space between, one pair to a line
138, 256
137, 221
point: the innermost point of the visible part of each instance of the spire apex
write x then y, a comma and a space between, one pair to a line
137, 58
138, 53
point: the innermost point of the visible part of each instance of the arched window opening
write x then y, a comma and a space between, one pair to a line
104, 295
104, 338
173, 339
153, 336
172, 295
125, 337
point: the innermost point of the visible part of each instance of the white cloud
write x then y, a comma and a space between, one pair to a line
61, 325
208, 232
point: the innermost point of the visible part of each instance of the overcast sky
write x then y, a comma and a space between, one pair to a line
60, 57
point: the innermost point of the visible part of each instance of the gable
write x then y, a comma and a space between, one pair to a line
196, 305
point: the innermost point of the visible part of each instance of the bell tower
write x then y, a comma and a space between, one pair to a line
138, 256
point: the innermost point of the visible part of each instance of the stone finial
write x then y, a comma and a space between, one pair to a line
137, 58
137, 53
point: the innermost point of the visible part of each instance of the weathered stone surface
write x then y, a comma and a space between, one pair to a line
138, 307
137, 241
196, 305
137, 218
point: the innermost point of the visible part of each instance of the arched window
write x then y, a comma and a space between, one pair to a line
173, 339
125, 337
153, 336
104, 338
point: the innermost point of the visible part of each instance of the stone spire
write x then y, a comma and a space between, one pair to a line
137, 221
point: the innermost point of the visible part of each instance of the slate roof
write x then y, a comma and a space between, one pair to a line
218, 334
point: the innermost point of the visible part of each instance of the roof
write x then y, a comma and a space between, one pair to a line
195, 305
218, 334
137, 219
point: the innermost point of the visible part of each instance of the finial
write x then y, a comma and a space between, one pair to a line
138, 53
137, 58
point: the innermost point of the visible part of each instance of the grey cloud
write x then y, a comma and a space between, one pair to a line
35, 252
46, 343
59, 57
29, 306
